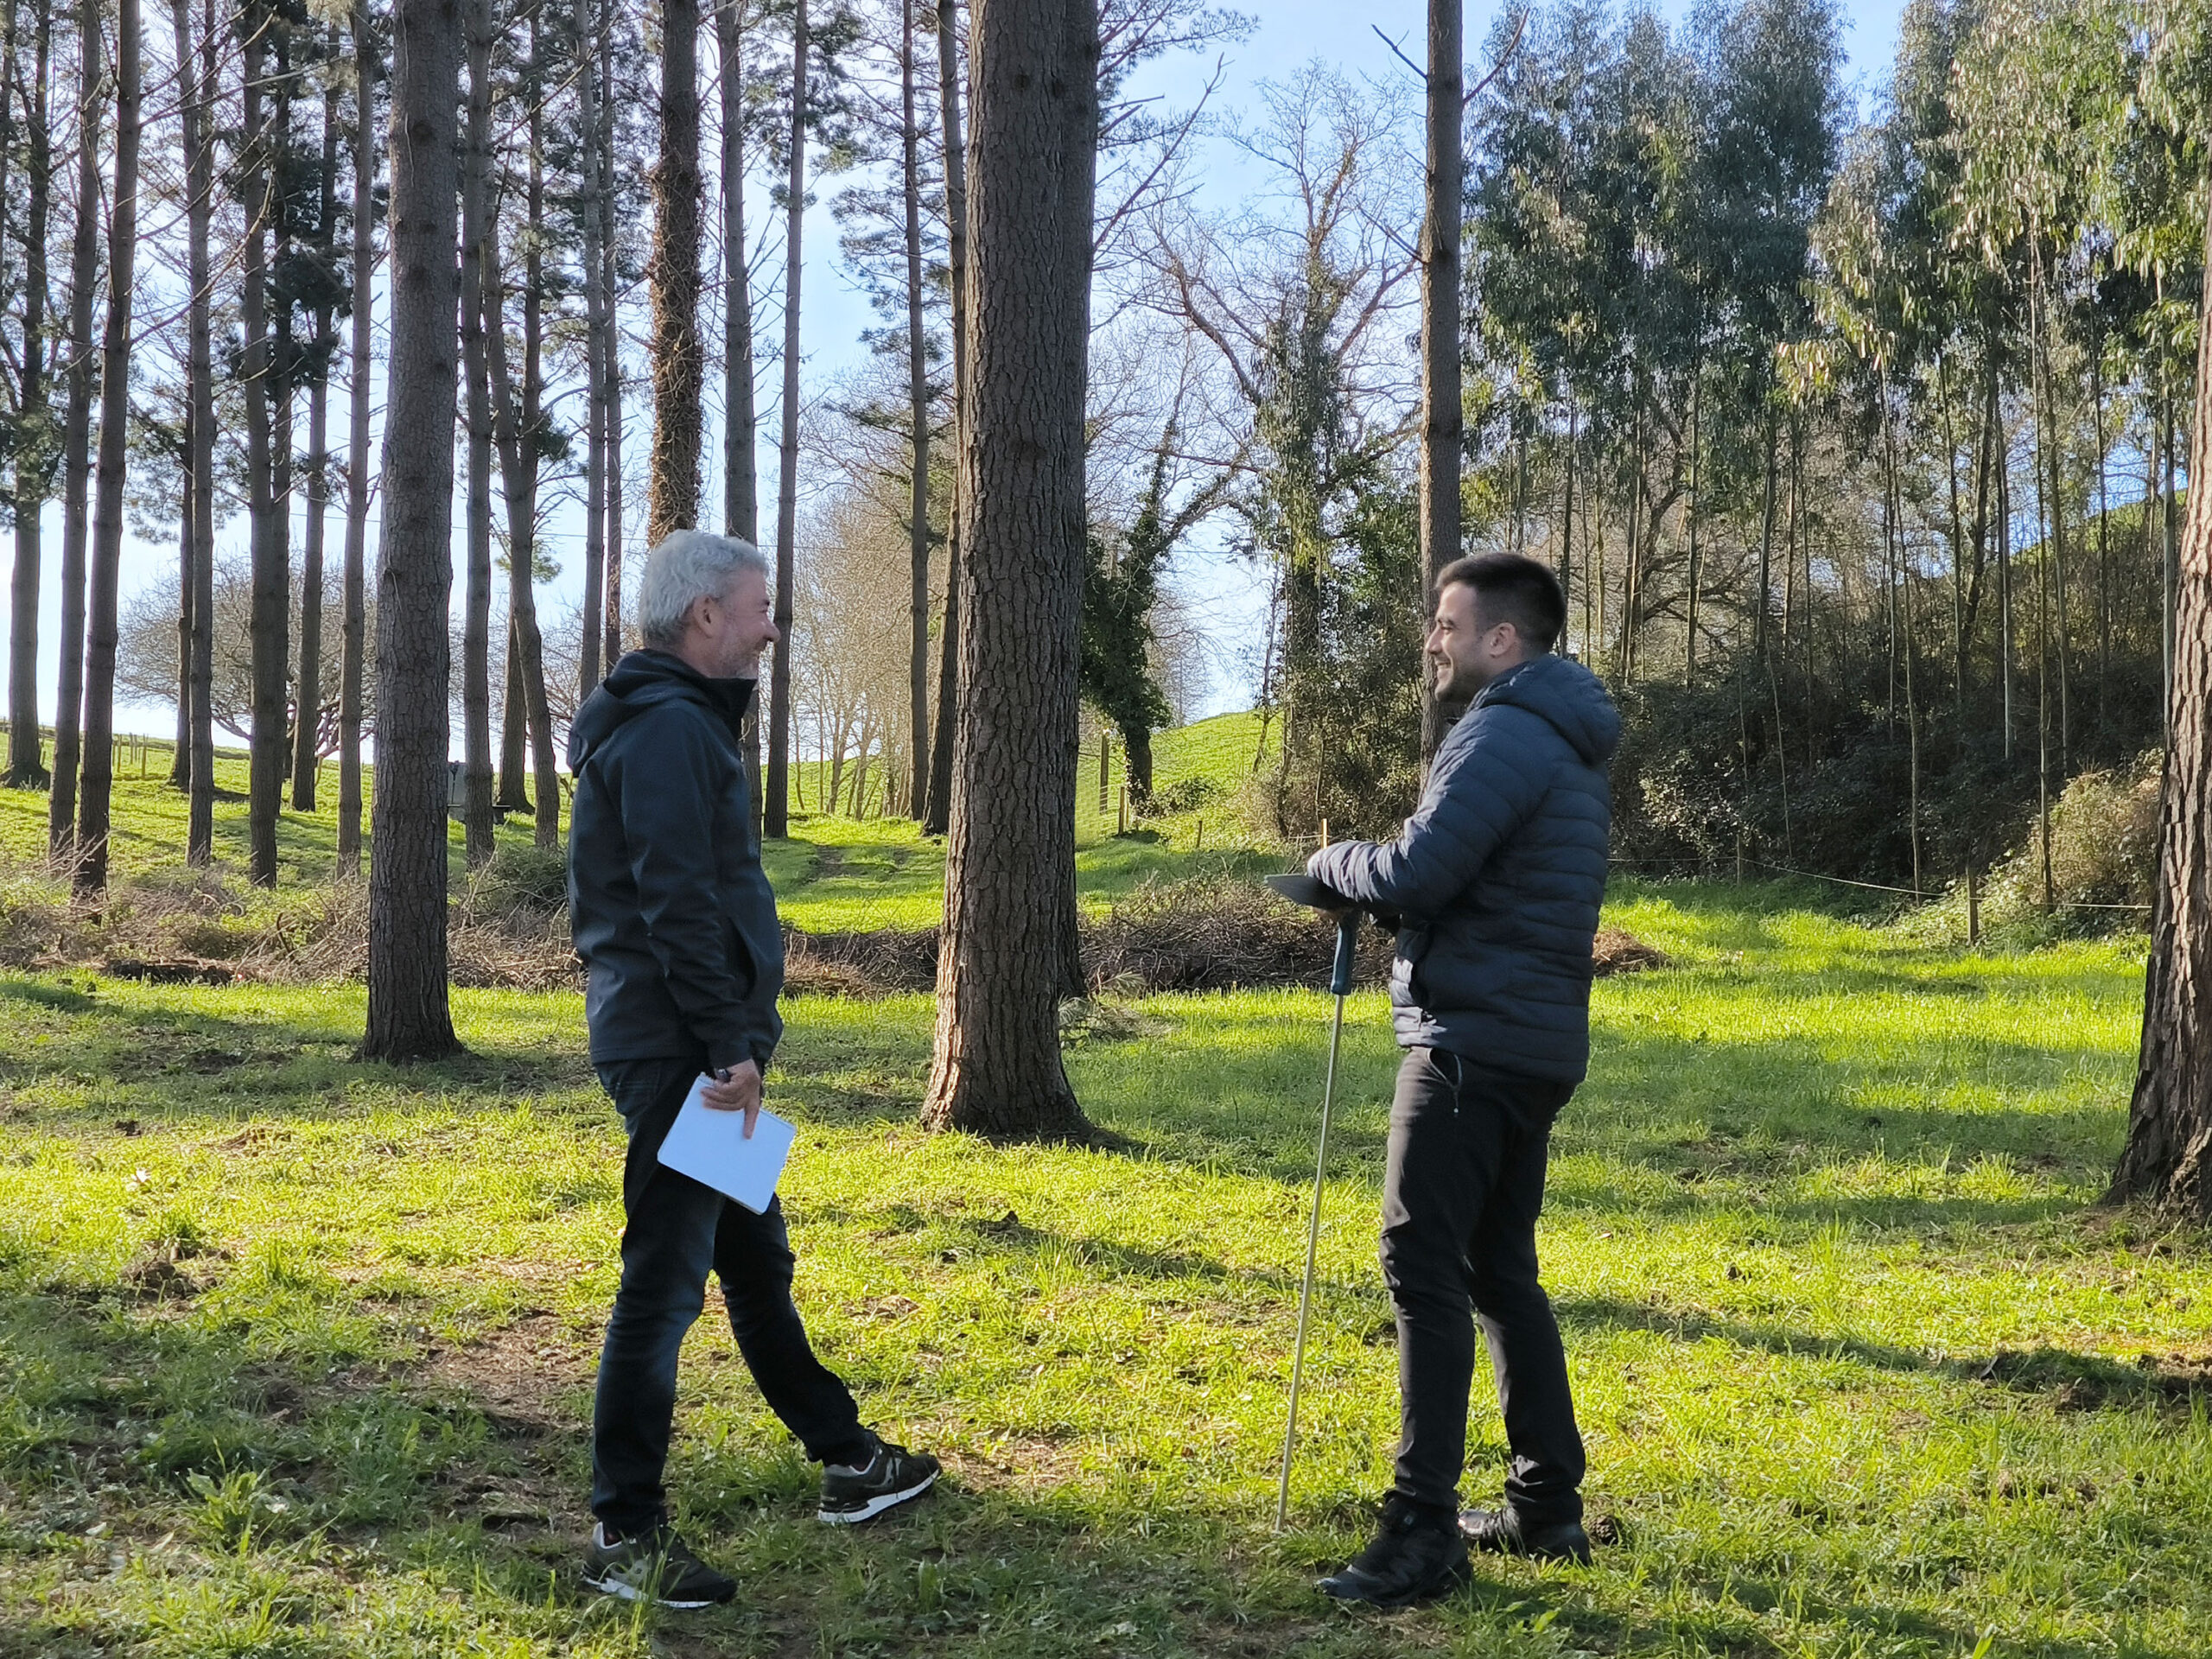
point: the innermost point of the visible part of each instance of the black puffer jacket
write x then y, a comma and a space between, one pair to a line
1497, 877
671, 910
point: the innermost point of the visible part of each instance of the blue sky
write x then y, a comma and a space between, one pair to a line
833, 311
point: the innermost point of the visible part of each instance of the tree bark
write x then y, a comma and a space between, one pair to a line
588, 668
2169, 1154
270, 535
741, 426
917, 395
938, 815
514, 426
679, 366
407, 1014
115, 423
1443, 427
77, 446
26, 749
307, 730
1010, 856
354, 632
776, 803
478, 815
612, 367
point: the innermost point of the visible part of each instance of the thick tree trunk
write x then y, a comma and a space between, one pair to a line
478, 816
589, 669
776, 803
2169, 1152
77, 446
1442, 424
1010, 856
26, 750
408, 1015
354, 632
679, 365
115, 423
307, 730
938, 815
917, 395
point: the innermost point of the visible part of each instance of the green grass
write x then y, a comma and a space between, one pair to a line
296, 1353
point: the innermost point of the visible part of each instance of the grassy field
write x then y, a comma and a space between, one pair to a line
296, 1354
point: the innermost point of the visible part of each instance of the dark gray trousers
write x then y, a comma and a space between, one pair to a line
1461, 1193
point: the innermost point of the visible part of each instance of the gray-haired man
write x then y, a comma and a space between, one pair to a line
677, 925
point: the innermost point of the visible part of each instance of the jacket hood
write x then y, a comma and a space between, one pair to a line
644, 680
1568, 696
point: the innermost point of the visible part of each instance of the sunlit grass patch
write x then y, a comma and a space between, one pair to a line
296, 1353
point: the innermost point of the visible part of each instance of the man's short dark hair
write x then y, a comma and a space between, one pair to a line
1511, 588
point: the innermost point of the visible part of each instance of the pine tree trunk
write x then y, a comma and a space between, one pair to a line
354, 632
1443, 422
589, 669
181, 751
918, 394
528, 713
2169, 1152
938, 815
408, 1015
776, 803
306, 733
741, 427
77, 446
266, 503
115, 423
26, 750
1010, 856
679, 365
611, 368
478, 813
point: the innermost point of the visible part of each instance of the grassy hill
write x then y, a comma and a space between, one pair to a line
833, 873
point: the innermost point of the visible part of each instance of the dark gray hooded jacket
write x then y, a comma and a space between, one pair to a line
1497, 877
671, 910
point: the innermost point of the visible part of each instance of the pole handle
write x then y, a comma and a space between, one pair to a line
1340, 969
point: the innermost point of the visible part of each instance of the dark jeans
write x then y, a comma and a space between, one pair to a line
676, 1230
1460, 1196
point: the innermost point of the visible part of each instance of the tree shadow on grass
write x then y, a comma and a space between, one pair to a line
184, 1062
465, 1467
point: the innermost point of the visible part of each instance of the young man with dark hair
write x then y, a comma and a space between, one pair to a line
1494, 885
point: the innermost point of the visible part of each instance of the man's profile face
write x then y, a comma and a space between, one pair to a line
1466, 651
730, 632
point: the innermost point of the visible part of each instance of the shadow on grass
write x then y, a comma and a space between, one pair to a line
465, 1467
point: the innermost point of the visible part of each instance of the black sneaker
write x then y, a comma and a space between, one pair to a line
1417, 1556
657, 1567
1501, 1532
890, 1478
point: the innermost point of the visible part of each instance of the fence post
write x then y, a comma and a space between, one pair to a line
1974, 903
1199, 845
1121, 813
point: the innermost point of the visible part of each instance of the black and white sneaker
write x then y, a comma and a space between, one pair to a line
657, 1567
890, 1478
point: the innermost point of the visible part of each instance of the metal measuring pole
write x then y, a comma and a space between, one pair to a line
1304, 890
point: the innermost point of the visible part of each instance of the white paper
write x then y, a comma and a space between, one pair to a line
711, 1147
